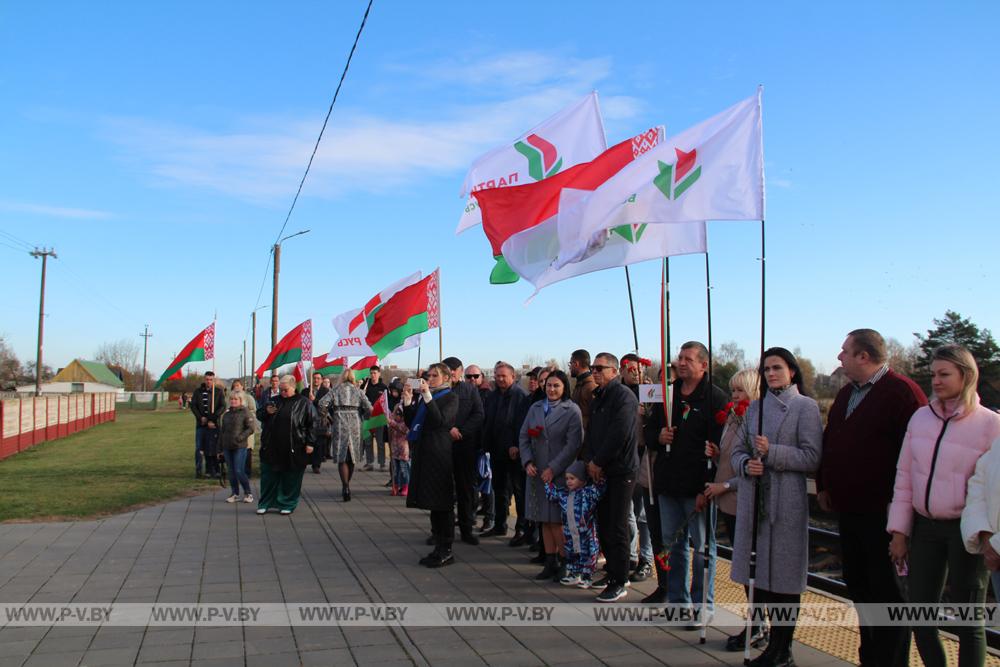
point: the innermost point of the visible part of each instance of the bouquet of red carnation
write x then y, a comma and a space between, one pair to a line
535, 431
731, 408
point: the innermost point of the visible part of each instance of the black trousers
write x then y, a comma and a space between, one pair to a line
508, 480
870, 577
443, 528
463, 456
781, 635
612, 525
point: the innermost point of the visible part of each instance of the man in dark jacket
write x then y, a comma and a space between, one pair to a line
681, 472
861, 443
374, 440
610, 450
505, 410
474, 376
286, 445
314, 392
208, 403
465, 448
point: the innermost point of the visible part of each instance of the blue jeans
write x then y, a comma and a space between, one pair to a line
236, 461
673, 513
400, 473
204, 448
640, 547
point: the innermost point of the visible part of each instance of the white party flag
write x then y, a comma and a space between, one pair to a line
712, 171
571, 136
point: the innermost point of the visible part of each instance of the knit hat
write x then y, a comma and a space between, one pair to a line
578, 470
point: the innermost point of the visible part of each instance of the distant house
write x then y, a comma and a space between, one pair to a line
78, 377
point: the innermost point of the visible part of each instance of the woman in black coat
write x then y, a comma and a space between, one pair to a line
430, 416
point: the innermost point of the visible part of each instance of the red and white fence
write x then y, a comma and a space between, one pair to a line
29, 420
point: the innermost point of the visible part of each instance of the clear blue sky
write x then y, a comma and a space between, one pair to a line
157, 147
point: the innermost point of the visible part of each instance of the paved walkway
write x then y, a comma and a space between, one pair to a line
204, 550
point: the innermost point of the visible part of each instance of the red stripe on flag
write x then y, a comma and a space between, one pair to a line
548, 151
397, 311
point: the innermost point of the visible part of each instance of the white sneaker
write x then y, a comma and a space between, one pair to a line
232, 499
570, 580
585, 582
248, 498
285, 512
262, 510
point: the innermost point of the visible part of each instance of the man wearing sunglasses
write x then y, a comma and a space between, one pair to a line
610, 450
465, 449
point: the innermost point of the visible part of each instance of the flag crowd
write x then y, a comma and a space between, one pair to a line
597, 469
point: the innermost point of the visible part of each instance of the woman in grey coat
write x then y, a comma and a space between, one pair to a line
345, 406
550, 441
778, 461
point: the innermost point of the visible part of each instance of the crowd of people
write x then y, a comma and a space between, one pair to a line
591, 470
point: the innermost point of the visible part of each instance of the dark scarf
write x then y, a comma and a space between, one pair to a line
416, 428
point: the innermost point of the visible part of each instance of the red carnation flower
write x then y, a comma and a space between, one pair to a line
741, 408
535, 431
721, 416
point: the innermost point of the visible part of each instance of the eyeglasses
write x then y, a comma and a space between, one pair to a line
597, 368
472, 376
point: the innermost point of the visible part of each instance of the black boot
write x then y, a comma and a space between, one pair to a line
769, 656
758, 637
782, 656
560, 569
444, 557
550, 569
658, 596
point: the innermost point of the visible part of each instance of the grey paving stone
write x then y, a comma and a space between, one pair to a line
162, 652
62, 644
55, 659
274, 660
110, 656
218, 649
323, 658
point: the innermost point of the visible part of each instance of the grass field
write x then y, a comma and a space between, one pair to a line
143, 457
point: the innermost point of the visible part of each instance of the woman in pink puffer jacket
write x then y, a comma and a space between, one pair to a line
943, 442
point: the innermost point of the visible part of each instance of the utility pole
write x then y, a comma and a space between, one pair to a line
253, 344
274, 293
243, 364
44, 254
145, 349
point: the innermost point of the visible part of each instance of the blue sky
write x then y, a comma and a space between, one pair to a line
158, 148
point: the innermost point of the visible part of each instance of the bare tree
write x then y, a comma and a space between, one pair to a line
123, 353
901, 359
10, 365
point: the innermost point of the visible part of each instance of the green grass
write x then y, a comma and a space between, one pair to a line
144, 457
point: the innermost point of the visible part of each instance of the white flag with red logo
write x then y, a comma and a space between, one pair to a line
712, 171
352, 325
572, 136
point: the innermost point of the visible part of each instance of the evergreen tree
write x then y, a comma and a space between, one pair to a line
953, 328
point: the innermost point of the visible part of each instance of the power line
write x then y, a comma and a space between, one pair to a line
27, 246
329, 111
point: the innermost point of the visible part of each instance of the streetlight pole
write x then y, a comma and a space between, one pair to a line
274, 291
145, 349
44, 254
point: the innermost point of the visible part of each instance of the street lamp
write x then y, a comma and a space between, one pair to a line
253, 344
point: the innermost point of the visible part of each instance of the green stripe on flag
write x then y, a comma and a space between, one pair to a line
329, 370
374, 422
393, 339
197, 355
291, 357
686, 183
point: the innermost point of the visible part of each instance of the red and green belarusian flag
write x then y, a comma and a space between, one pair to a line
201, 348
294, 347
363, 367
324, 365
409, 311
379, 416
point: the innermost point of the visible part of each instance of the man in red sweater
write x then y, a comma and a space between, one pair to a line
861, 443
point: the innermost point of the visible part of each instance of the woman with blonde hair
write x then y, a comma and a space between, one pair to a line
944, 440
745, 388
345, 405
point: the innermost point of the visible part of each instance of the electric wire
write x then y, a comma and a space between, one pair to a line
326, 120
